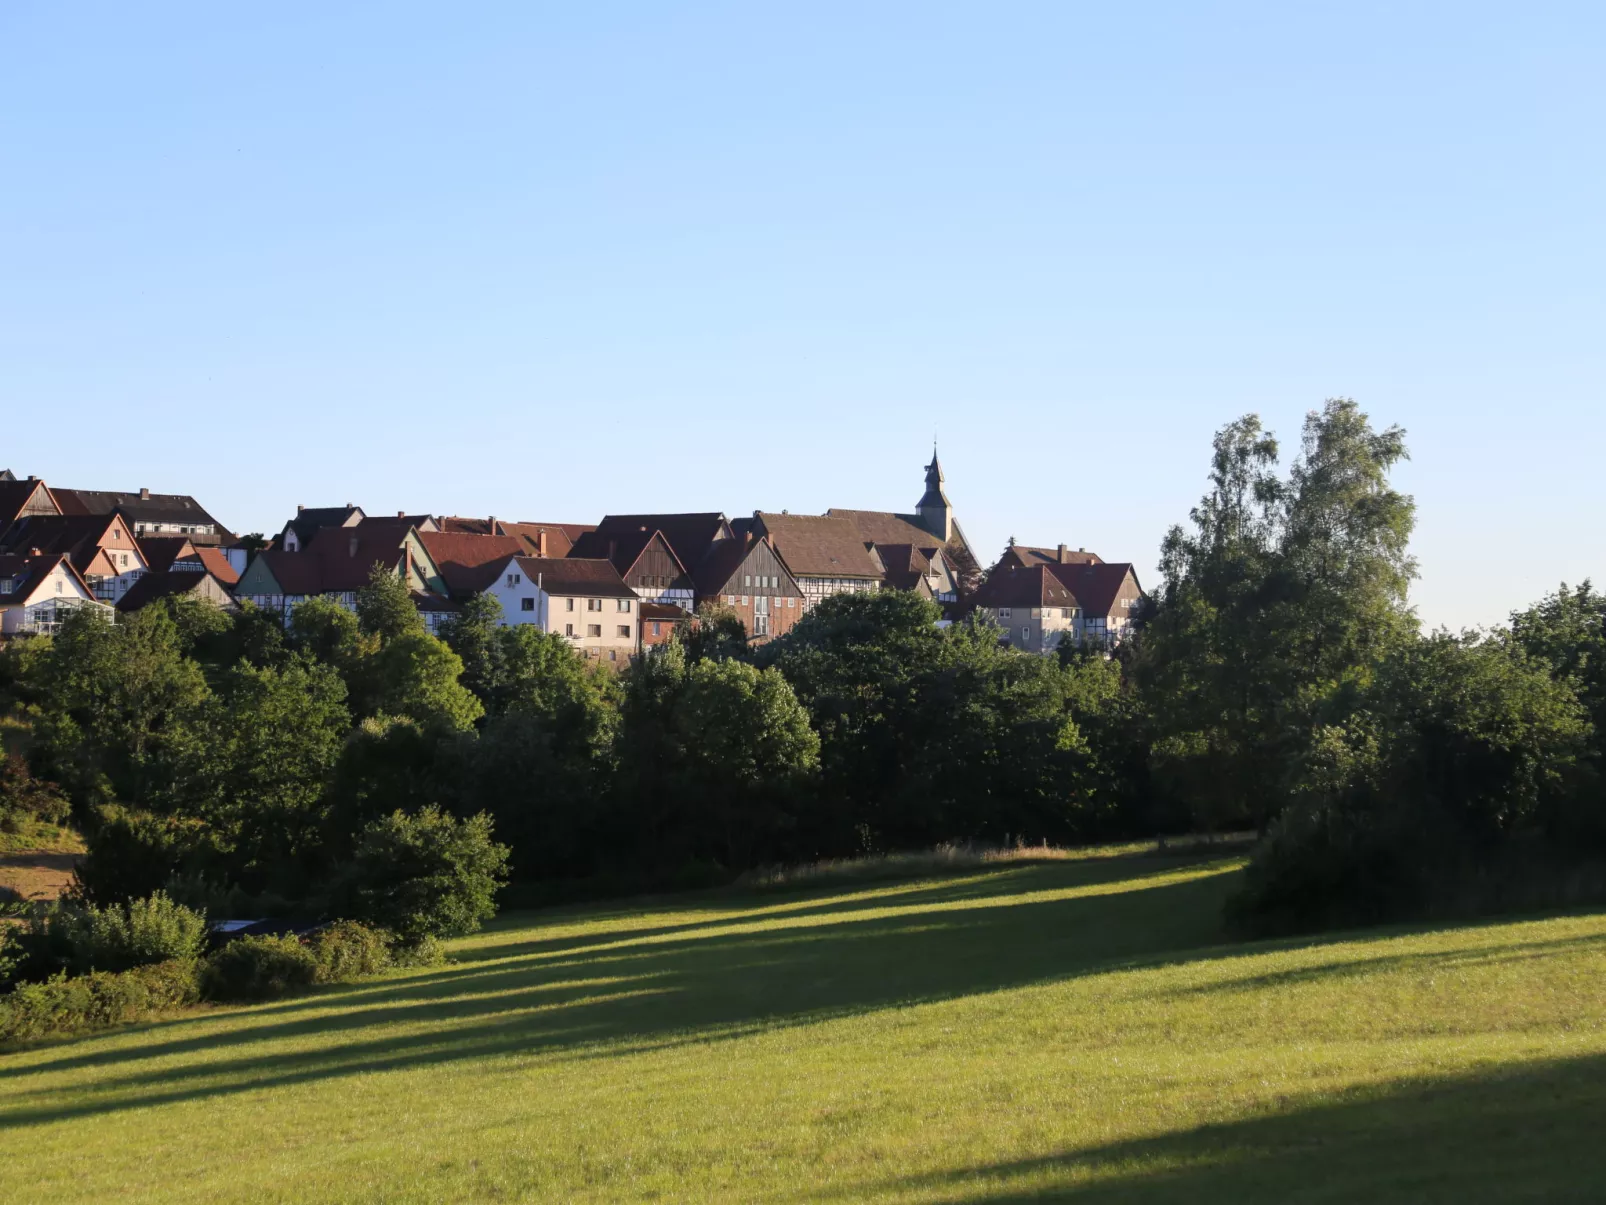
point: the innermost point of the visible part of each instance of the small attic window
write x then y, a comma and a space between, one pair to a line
5, 585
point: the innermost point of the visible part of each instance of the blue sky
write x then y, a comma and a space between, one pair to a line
546, 261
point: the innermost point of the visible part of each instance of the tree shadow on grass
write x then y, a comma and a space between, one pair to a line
659, 986
1529, 1132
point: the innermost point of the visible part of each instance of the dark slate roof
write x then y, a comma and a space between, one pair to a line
158, 508
575, 576
469, 563
14, 495
1023, 554
161, 585
76, 536
624, 547
161, 551
721, 564
310, 520
906, 566
820, 545
689, 535
1096, 586
1033, 587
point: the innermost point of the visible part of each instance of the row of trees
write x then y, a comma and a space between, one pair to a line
1281, 684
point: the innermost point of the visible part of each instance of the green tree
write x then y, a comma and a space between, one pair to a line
475, 635
417, 676
326, 631
426, 875
385, 607
715, 633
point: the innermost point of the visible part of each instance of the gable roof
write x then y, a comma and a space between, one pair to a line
469, 563
15, 497
725, 560
27, 572
214, 561
310, 520
819, 545
164, 585
689, 536
75, 536
1024, 554
1013, 586
339, 559
886, 527
625, 548
161, 551
907, 566
1096, 586
575, 576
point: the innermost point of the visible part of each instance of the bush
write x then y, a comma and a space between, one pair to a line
132, 854
25, 799
258, 968
78, 938
426, 875
349, 949
64, 1005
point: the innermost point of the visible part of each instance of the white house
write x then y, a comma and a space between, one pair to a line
37, 593
581, 598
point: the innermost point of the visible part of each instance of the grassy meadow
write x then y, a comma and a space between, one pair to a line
1075, 1029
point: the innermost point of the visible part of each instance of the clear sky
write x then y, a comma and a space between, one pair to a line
547, 261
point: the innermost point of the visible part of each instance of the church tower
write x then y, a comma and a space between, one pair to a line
935, 511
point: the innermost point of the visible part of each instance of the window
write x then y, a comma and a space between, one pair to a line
568, 604
747, 580
593, 629
624, 605
1003, 612
122, 559
514, 579
1065, 612
790, 603
656, 626
5, 588
593, 604
613, 654
761, 624
624, 631
568, 628
730, 600
744, 600
526, 604
1026, 632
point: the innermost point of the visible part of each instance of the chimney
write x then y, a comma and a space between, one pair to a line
613, 547
1063, 551
31, 477
401, 514
144, 494
1081, 550
351, 546
540, 543
490, 528
299, 508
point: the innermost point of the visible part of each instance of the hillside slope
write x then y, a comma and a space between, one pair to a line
1078, 1030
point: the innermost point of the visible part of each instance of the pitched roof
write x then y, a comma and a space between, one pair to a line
217, 564
25, 572
1096, 586
1016, 587
576, 576
310, 520
625, 547
721, 564
297, 573
469, 563
76, 536
1023, 554
14, 495
885, 527
161, 585
664, 612
161, 551
907, 566
688, 535
820, 545
139, 505
339, 559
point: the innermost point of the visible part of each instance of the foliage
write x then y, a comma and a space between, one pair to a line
25, 799
416, 676
79, 938
425, 875
348, 950
385, 607
258, 968
475, 636
64, 1005
131, 854
715, 633
326, 631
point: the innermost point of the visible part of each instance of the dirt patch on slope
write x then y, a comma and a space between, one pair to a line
37, 875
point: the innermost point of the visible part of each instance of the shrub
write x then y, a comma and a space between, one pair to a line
65, 1005
79, 938
24, 798
132, 854
258, 968
426, 875
349, 949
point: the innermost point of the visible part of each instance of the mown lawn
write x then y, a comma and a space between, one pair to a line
1076, 1030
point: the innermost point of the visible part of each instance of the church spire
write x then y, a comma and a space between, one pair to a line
934, 509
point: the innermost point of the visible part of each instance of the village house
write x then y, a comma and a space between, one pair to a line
297, 533
582, 599
659, 623
749, 577
1022, 556
148, 514
825, 554
101, 547
643, 557
1043, 605
337, 563
19, 499
38, 592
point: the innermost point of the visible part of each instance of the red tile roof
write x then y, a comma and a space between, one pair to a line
1034, 587
469, 563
